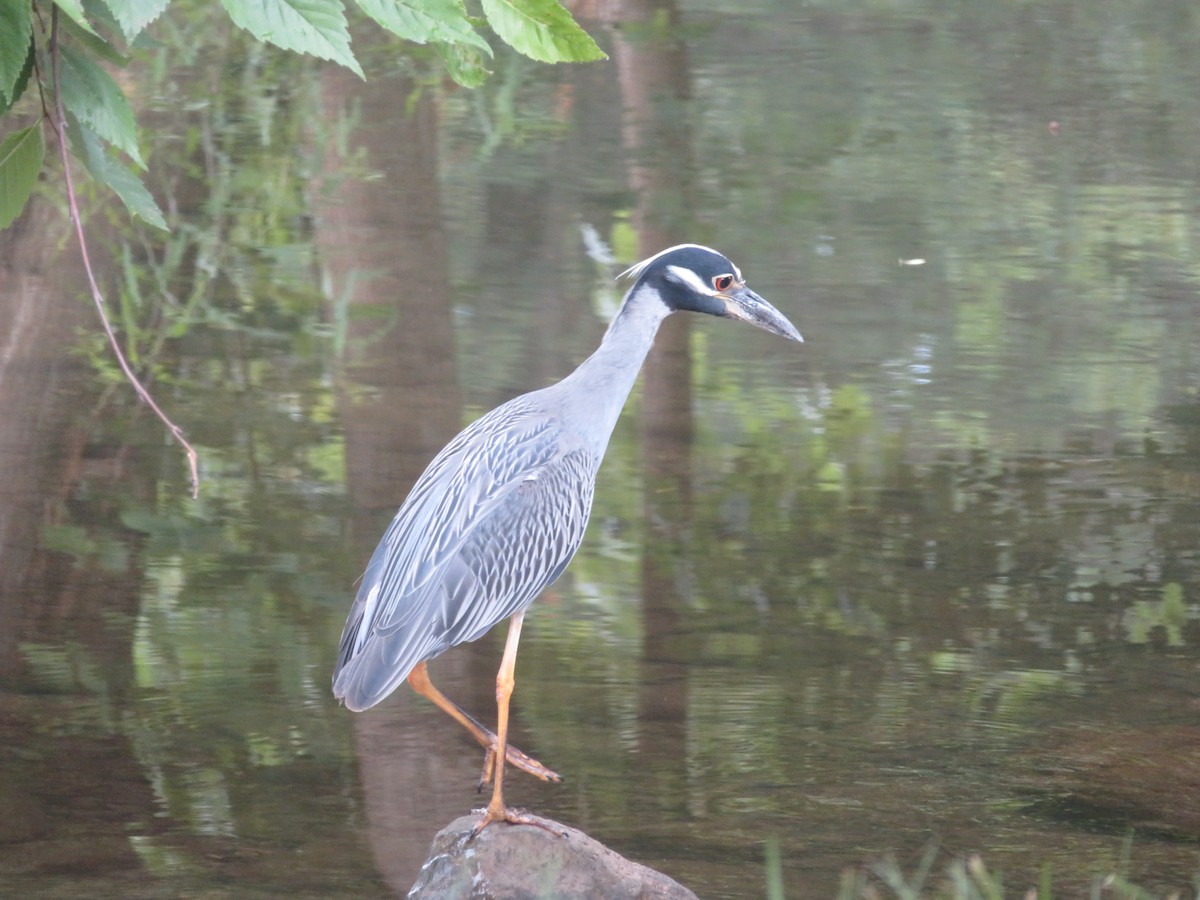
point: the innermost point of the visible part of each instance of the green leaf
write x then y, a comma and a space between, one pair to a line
107, 170
465, 64
74, 10
20, 161
16, 31
542, 30
92, 42
317, 27
100, 17
426, 21
22, 81
90, 94
134, 15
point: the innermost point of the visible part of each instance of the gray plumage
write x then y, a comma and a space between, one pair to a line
498, 514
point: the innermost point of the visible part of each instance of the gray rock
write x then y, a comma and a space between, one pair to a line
520, 862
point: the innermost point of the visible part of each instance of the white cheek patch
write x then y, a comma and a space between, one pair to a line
691, 279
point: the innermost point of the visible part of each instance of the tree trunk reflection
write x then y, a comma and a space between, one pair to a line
383, 249
653, 75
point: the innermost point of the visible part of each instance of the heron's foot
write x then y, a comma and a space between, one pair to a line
513, 817
517, 759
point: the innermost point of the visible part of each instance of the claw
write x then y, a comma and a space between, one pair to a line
517, 759
513, 817
489, 767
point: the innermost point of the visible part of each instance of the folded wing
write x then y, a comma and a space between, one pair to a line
494, 519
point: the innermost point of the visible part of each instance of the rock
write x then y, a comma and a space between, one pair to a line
517, 862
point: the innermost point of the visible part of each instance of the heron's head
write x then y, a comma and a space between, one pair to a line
702, 280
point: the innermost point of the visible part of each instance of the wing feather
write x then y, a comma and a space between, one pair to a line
495, 518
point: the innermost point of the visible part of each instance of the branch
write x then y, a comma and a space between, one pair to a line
60, 127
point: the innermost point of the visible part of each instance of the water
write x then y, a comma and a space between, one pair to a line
929, 579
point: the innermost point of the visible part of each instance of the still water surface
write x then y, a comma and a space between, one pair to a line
932, 579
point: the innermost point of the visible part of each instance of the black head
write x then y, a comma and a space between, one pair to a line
700, 279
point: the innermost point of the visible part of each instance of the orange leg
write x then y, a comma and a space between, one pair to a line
496, 810
419, 681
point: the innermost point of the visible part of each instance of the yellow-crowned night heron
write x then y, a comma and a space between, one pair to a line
501, 510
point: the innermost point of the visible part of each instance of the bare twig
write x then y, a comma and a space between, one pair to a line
60, 126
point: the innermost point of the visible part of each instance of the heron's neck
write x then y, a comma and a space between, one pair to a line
597, 390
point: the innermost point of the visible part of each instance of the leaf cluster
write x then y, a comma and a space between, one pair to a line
66, 48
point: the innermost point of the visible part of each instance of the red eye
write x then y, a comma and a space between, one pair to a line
722, 282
